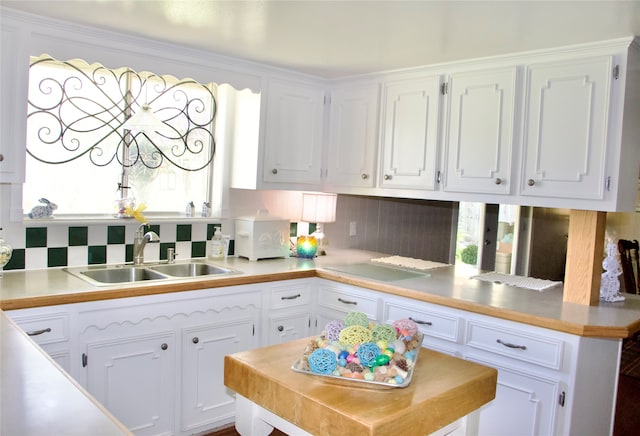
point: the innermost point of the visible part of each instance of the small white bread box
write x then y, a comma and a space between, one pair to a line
261, 237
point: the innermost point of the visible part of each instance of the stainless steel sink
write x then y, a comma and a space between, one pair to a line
103, 275
122, 275
193, 269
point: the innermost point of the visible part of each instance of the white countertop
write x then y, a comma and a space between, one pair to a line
448, 286
40, 399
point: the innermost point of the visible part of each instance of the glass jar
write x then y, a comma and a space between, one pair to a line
5, 252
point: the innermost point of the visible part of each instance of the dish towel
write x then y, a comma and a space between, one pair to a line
519, 281
409, 262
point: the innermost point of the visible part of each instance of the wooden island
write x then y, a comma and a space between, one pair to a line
443, 390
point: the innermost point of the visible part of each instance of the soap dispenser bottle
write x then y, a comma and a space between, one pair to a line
217, 245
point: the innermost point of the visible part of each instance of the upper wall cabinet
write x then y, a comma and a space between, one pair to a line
293, 133
580, 129
12, 135
566, 116
409, 149
353, 135
480, 131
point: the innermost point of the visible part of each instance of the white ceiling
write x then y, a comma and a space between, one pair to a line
339, 38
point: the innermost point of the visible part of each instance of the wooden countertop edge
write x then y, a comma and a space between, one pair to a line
506, 314
109, 293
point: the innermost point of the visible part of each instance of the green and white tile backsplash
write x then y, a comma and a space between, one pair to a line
56, 246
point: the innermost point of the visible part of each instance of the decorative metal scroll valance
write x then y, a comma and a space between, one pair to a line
77, 109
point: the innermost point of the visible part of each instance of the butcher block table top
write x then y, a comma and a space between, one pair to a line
443, 389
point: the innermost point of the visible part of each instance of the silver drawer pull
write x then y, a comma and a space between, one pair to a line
417, 321
291, 297
355, 303
39, 332
507, 344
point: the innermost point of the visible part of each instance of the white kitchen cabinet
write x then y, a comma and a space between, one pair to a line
409, 147
442, 328
293, 133
480, 133
156, 362
49, 328
524, 403
531, 367
546, 379
134, 378
336, 300
13, 107
289, 309
566, 122
353, 135
206, 402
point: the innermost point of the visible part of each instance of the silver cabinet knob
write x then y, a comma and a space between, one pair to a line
195, 340
364, 176
1, 157
274, 171
531, 182
280, 328
387, 177
164, 346
498, 181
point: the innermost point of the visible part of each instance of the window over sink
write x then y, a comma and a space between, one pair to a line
81, 156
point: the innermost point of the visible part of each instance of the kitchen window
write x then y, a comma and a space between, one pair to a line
81, 158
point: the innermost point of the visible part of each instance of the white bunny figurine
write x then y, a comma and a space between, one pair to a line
45, 211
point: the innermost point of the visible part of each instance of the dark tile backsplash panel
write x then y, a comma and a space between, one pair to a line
36, 237
115, 234
114, 244
78, 236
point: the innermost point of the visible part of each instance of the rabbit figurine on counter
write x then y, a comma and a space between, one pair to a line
43, 211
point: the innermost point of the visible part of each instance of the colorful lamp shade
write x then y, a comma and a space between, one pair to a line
307, 247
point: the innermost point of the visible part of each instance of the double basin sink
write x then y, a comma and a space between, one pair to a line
122, 274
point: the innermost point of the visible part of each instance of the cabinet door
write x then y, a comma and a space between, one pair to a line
206, 402
565, 128
353, 135
293, 137
410, 133
525, 403
13, 107
134, 378
480, 131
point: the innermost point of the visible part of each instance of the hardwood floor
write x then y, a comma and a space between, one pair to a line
231, 431
627, 420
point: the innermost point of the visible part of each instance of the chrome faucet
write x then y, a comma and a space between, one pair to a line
140, 241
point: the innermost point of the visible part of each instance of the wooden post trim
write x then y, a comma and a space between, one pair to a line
585, 249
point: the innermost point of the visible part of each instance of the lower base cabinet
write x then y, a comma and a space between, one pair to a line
205, 400
157, 362
524, 404
133, 378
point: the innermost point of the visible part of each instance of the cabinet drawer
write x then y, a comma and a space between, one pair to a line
45, 329
516, 344
434, 323
290, 296
346, 301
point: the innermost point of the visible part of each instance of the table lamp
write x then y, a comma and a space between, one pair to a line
319, 208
